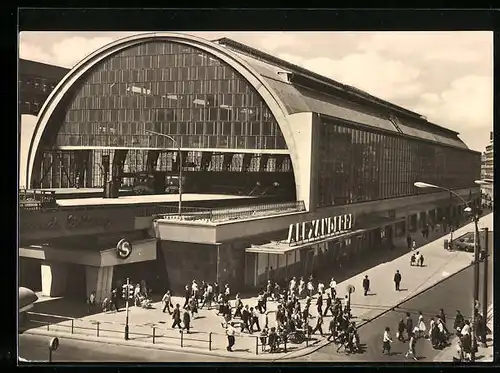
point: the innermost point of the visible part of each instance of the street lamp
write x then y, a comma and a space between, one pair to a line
468, 209
176, 144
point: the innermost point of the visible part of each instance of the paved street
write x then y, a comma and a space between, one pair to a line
451, 294
34, 347
439, 264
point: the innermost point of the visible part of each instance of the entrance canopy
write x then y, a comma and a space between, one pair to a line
283, 248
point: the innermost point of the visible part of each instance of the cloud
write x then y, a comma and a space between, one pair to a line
387, 78
32, 52
71, 50
456, 47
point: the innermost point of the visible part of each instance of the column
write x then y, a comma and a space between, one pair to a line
54, 279
100, 280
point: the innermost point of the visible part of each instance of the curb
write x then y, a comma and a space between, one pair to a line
162, 347
315, 346
366, 321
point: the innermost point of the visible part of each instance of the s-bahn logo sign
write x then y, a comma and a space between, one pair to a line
123, 249
317, 229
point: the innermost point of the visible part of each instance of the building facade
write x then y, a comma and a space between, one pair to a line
346, 163
487, 173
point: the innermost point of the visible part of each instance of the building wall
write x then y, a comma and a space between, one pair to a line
359, 164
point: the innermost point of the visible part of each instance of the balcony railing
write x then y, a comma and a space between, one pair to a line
231, 213
188, 213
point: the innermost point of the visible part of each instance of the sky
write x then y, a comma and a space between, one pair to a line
445, 76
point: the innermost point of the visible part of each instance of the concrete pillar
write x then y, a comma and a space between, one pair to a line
54, 276
100, 280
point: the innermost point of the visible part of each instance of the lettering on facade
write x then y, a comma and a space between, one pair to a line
320, 228
86, 221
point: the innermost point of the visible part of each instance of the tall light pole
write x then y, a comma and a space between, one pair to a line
486, 254
176, 144
420, 184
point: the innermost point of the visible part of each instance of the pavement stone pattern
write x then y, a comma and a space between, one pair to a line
439, 264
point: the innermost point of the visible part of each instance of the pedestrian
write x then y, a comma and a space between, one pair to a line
261, 307
227, 292
254, 319
167, 302
91, 303
386, 345
366, 285
328, 306
401, 330
187, 295
269, 289
421, 324
176, 316
238, 306
319, 304
319, 325
310, 288
459, 321
114, 300
411, 347
333, 288
409, 324
230, 332
186, 320
193, 307
412, 260
397, 280
417, 258
332, 328
321, 288
413, 245
421, 260
245, 318
408, 241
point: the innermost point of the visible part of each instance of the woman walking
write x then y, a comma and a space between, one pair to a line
386, 346
411, 346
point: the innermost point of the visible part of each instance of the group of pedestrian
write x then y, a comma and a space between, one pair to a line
416, 259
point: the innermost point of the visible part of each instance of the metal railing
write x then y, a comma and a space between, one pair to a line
189, 213
151, 333
234, 213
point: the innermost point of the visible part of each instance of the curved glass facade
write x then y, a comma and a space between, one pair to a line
169, 88
358, 165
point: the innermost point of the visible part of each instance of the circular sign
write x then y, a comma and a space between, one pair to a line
123, 249
351, 289
54, 344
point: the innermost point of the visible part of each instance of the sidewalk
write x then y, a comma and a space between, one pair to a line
439, 264
483, 354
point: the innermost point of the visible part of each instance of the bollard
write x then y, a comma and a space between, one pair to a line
154, 334
285, 344
307, 340
210, 341
48, 325
256, 345
97, 328
182, 338
72, 325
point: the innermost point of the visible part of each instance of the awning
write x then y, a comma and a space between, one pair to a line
282, 247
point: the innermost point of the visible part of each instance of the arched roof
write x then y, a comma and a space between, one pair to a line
272, 100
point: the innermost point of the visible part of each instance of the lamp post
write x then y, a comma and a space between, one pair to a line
180, 164
468, 209
486, 254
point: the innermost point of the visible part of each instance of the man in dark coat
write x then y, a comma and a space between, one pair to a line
409, 325
397, 279
319, 304
366, 284
186, 319
245, 319
176, 316
328, 306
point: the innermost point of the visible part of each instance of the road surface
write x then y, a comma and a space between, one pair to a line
34, 347
455, 293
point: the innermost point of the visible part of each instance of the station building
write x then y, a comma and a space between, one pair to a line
346, 162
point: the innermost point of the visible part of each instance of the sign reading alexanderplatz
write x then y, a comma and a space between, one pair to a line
318, 229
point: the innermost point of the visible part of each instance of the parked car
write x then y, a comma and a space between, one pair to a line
464, 244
